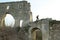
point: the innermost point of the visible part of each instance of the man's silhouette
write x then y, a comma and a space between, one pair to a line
37, 17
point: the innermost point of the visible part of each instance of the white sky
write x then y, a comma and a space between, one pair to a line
43, 8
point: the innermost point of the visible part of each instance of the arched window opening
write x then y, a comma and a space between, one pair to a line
9, 20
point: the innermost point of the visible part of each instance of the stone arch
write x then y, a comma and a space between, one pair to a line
9, 20
3, 18
35, 33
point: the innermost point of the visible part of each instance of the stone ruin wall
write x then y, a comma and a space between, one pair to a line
19, 10
54, 30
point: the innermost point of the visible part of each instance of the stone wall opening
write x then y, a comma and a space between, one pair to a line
36, 34
7, 20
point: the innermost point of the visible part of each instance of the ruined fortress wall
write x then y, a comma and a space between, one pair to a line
20, 10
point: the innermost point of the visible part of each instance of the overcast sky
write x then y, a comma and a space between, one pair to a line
43, 8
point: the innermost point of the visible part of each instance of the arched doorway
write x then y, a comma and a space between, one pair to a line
36, 34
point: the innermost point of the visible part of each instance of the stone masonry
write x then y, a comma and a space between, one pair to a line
20, 11
44, 29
